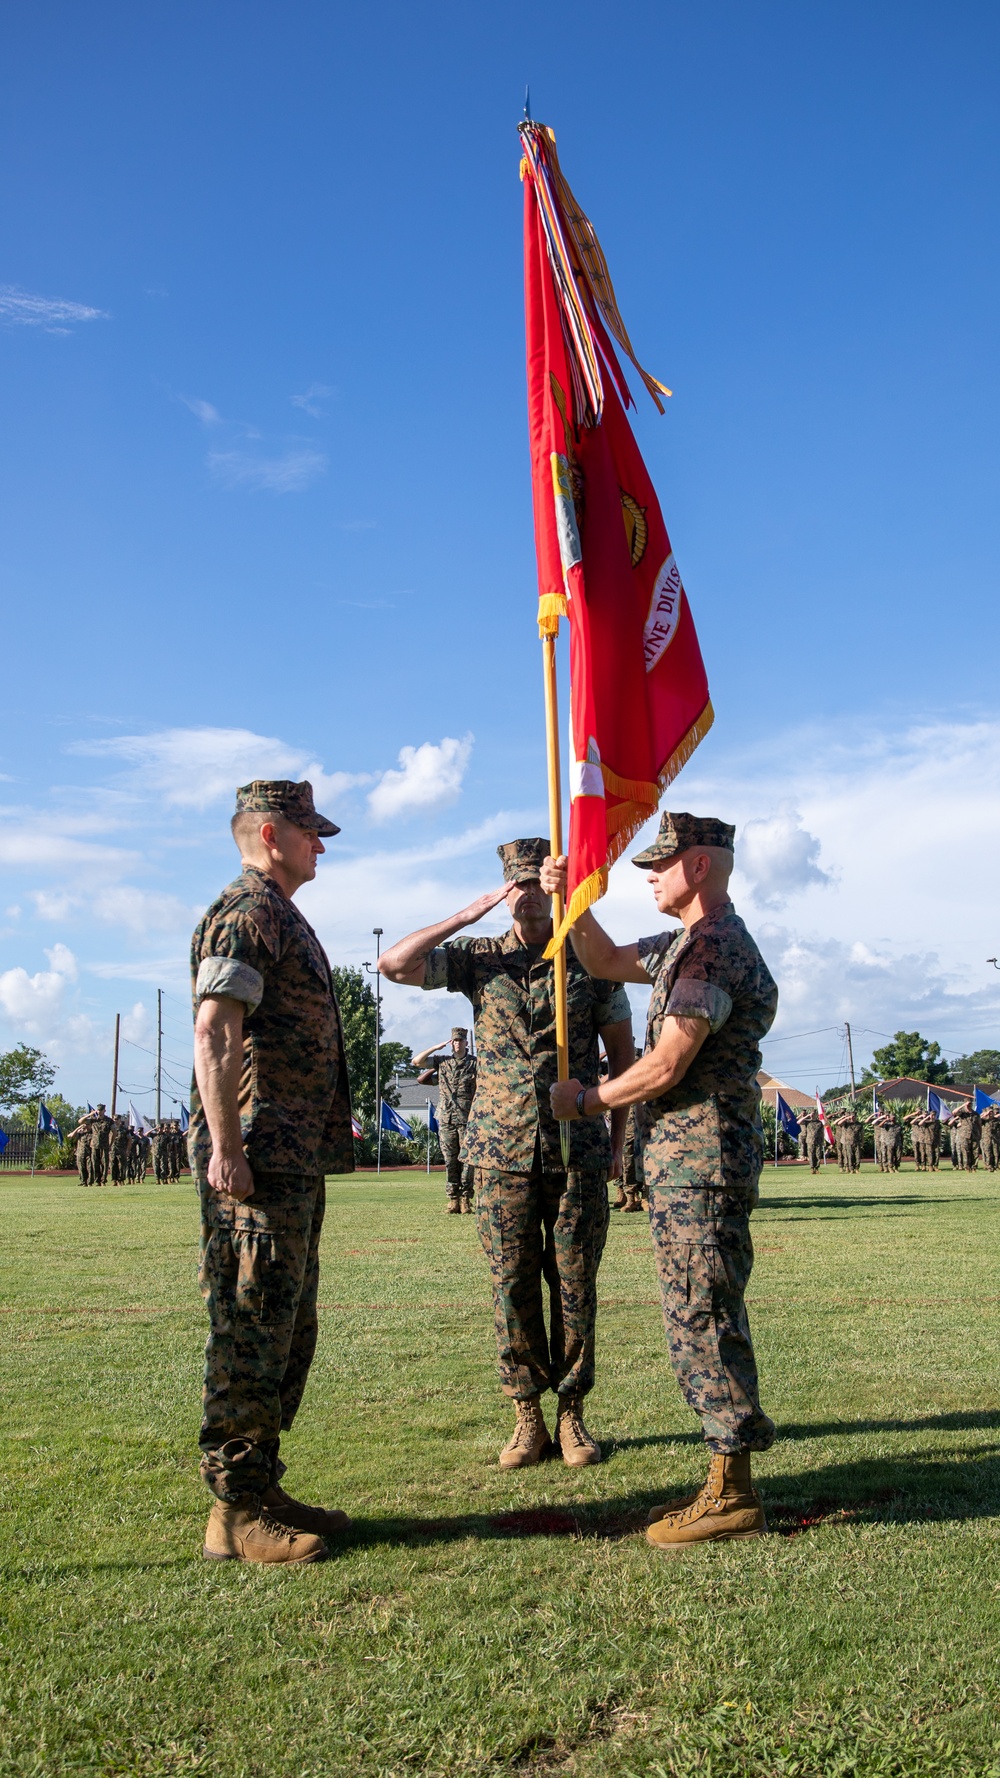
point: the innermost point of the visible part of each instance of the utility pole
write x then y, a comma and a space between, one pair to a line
114, 1081
159, 1049
850, 1063
377, 934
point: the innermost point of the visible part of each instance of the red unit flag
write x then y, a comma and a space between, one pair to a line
638, 692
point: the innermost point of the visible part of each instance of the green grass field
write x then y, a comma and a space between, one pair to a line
475, 1622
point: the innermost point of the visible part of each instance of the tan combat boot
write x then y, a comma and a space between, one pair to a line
622, 1199
466, 1204
727, 1508
530, 1441
454, 1207
244, 1532
632, 1199
297, 1515
574, 1441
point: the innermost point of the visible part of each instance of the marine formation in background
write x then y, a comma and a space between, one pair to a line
108, 1149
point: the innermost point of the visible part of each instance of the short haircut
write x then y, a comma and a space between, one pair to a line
246, 826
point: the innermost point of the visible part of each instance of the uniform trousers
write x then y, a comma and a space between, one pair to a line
814, 1148
460, 1180
259, 1276
544, 1228
704, 1256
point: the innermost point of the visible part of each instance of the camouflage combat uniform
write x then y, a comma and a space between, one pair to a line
965, 1129
83, 1135
118, 1151
535, 1220
631, 1174
456, 1079
100, 1148
702, 1152
848, 1137
259, 1269
989, 1151
893, 1145
811, 1126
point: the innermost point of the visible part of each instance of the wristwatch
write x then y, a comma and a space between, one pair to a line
580, 1097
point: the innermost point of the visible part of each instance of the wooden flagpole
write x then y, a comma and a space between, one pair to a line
556, 842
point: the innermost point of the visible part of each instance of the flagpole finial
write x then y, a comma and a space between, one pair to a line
527, 104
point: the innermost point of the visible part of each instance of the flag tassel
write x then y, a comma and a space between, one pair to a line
555, 841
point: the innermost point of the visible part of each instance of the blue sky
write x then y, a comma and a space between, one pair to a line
265, 502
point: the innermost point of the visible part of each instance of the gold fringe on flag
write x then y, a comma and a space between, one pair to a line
551, 607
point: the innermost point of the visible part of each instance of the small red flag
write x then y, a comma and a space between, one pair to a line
638, 691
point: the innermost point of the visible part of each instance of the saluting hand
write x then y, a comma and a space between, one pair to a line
483, 904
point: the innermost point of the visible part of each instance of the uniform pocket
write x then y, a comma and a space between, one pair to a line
240, 1247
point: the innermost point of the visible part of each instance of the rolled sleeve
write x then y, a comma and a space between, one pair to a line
450, 966
436, 969
226, 975
614, 1007
694, 999
652, 951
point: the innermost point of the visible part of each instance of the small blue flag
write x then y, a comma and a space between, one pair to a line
47, 1123
937, 1105
983, 1100
185, 1119
432, 1123
786, 1117
391, 1120
3, 1141
89, 1106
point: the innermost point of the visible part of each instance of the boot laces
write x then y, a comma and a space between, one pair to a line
272, 1525
573, 1419
524, 1431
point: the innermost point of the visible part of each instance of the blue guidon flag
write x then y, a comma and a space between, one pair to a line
983, 1100
786, 1117
47, 1125
432, 1123
391, 1120
4, 1139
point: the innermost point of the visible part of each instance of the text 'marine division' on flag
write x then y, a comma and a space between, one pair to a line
639, 701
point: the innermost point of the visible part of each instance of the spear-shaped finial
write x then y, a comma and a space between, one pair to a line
527, 104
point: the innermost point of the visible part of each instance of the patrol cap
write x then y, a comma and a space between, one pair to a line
679, 832
522, 860
460, 1031
280, 796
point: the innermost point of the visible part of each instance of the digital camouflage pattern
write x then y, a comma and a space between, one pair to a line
550, 1226
259, 1276
295, 1109
522, 860
702, 1151
280, 796
456, 1079
706, 1131
511, 990
813, 1139
631, 1173
966, 1130
989, 1151
679, 832
704, 1256
847, 1135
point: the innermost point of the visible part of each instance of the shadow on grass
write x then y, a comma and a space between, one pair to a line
903, 1200
909, 1489
962, 1420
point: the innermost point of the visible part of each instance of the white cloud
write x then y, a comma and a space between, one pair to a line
24, 840
138, 1026
141, 911
194, 767
202, 410
289, 474
18, 308
310, 400
62, 962
37, 1007
778, 857
428, 776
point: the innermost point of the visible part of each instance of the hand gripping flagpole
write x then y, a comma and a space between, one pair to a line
556, 842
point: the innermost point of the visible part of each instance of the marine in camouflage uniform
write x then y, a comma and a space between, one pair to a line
848, 1138
989, 1152
100, 1146
633, 1179
698, 1101
258, 969
455, 1078
916, 1122
965, 1129
83, 1136
539, 1222
118, 1150
813, 1139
